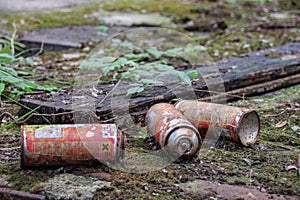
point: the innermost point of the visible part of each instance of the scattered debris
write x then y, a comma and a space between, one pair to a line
295, 128
290, 167
280, 124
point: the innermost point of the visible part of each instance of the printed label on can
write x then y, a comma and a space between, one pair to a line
106, 131
105, 146
48, 132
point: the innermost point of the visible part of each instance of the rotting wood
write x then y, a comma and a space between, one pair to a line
256, 73
56, 39
256, 89
6, 193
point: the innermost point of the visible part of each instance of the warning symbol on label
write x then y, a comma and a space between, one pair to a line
105, 147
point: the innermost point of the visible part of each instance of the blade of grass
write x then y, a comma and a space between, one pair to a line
22, 117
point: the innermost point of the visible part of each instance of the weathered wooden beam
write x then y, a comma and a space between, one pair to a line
256, 73
63, 38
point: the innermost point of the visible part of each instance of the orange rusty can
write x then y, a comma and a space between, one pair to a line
241, 125
173, 131
60, 145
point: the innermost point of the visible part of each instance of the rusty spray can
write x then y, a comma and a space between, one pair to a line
173, 131
239, 124
60, 145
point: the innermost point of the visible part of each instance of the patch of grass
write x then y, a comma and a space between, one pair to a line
243, 42
161, 6
52, 19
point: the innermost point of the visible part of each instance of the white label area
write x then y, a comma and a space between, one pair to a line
48, 132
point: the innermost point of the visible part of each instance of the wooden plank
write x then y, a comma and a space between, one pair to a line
63, 38
255, 73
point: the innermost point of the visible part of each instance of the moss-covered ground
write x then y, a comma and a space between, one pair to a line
264, 166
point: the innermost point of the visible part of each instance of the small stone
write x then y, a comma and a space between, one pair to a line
69, 186
85, 49
295, 128
155, 194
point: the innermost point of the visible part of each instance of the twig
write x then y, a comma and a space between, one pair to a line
14, 194
107, 95
41, 49
48, 115
275, 115
9, 149
44, 115
274, 144
299, 165
12, 40
6, 114
224, 93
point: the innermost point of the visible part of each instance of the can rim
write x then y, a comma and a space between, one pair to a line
192, 128
239, 124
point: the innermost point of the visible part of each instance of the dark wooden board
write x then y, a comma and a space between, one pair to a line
255, 73
63, 38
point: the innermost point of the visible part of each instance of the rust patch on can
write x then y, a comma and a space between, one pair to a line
173, 131
59, 145
239, 124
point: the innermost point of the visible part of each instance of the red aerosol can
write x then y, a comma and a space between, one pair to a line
239, 124
173, 131
59, 145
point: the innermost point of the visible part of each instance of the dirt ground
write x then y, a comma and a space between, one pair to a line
266, 170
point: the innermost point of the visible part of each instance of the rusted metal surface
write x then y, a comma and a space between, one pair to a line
58, 145
6, 193
173, 131
239, 124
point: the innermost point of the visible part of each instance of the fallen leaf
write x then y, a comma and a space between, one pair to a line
280, 124
290, 167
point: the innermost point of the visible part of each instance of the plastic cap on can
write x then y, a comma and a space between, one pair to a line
183, 142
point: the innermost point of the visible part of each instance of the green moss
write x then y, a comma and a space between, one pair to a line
27, 180
53, 18
160, 6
